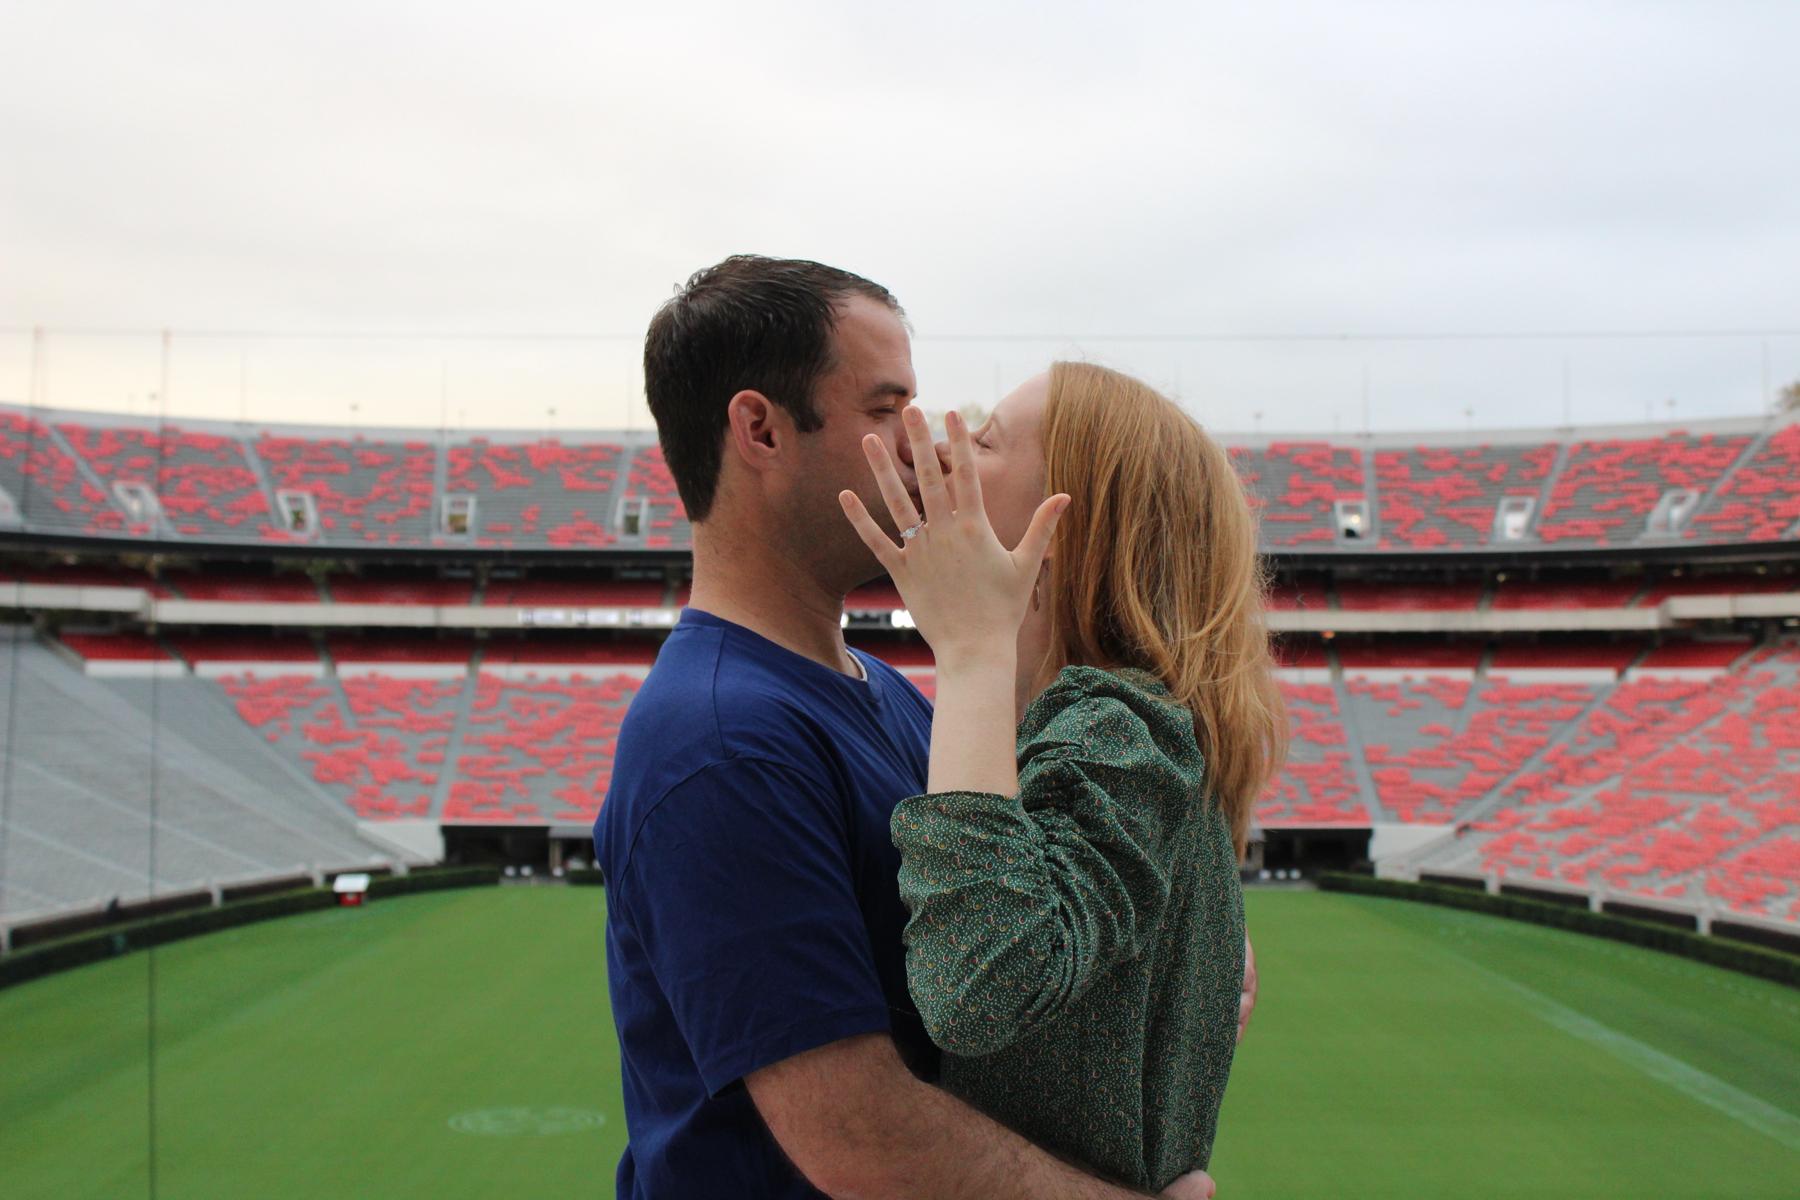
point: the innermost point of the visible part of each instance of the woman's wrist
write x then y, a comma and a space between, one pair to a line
994, 653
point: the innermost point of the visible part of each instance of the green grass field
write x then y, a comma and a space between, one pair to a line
458, 1044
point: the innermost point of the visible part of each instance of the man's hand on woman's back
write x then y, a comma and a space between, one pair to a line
1195, 1185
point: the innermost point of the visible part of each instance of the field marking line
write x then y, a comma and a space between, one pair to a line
1710, 1090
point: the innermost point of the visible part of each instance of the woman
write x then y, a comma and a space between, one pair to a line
1076, 941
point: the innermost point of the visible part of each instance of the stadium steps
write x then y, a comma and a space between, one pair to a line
85, 469
277, 519
1726, 476
1736, 696
1464, 853
1548, 488
447, 774
1357, 745
1498, 797
440, 487
1371, 533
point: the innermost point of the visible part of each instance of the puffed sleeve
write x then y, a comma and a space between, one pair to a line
1019, 902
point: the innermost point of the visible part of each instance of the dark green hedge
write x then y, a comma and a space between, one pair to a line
1737, 956
586, 877
99, 944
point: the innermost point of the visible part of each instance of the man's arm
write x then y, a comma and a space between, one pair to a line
859, 1126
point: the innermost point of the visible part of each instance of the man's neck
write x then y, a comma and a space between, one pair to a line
752, 582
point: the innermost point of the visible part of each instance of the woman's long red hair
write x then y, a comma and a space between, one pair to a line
1155, 565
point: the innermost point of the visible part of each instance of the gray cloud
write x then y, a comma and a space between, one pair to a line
1053, 169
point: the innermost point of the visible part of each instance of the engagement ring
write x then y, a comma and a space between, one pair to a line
907, 535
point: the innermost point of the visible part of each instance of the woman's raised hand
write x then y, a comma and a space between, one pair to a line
966, 592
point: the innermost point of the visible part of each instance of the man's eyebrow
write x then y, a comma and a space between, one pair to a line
883, 391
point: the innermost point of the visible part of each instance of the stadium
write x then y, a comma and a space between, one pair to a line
1560, 666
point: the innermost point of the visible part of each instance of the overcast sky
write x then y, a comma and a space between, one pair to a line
1033, 180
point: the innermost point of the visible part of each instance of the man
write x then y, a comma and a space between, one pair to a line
769, 1046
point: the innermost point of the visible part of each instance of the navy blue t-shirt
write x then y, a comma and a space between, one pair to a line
752, 908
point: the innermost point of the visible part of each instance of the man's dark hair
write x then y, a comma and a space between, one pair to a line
763, 324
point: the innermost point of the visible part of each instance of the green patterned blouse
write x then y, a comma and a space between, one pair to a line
1078, 950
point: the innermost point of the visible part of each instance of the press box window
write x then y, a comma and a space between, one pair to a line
1671, 512
298, 512
1512, 520
456, 516
634, 516
138, 501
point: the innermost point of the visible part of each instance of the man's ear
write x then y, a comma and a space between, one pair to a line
757, 428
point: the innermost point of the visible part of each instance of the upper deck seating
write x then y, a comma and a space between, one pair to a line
47, 485
366, 491
649, 479
1607, 489
1761, 500
1446, 497
1295, 486
202, 481
525, 490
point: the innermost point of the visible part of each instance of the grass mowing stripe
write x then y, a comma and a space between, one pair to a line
1709, 1090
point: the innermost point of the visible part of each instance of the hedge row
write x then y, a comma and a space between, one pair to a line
114, 940
1752, 960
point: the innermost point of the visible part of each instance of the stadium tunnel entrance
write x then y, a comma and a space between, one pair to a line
532, 851
1308, 851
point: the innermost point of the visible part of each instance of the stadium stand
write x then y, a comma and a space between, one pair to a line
45, 484
1437, 497
527, 493
1319, 787
350, 589
598, 490
578, 593
203, 483
1513, 592
1297, 485
364, 489
1606, 490
243, 587
1673, 789
1360, 596
538, 747
1626, 743
1761, 501
665, 523
80, 822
